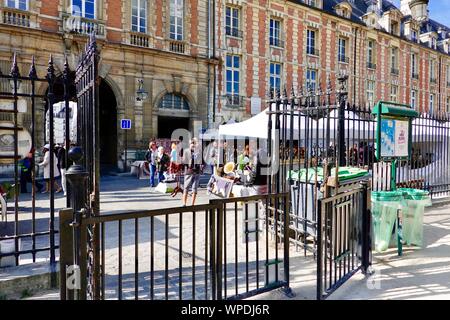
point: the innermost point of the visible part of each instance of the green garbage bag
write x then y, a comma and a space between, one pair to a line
416, 201
385, 205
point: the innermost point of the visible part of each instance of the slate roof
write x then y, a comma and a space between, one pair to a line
361, 7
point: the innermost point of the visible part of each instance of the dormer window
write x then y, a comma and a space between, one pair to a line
414, 35
433, 43
344, 10
394, 28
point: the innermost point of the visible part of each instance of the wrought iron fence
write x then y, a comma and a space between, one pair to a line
33, 232
220, 250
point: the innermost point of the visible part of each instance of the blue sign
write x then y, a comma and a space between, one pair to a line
125, 124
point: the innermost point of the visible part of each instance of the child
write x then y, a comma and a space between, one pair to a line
173, 160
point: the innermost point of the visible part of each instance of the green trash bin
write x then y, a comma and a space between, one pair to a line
416, 201
385, 205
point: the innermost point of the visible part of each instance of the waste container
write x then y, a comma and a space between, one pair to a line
385, 205
416, 201
305, 193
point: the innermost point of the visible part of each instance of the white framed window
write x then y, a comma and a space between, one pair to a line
275, 76
176, 19
371, 54
414, 67
311, 79
311, 42
342, 50
275, 33
414, 99
448, 75
370, 93
139, 16
394, 93
17, 4
433, 71
431, 103
232, 17
232, 74
394, 60
84, 8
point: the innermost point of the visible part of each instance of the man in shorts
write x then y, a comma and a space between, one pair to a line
192, 170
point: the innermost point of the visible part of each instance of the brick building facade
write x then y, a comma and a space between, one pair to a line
389, 53
197, 65
162, 42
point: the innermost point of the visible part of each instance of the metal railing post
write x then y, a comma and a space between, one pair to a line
77, 177
319, 250
66, 257
219, 250
366, 227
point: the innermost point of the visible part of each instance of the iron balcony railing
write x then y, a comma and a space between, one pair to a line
234, 100
233, 32
342, 58
312, 51
139, 39
433, 80
276, 42
415, 76
83, 26
371, 65
395, 71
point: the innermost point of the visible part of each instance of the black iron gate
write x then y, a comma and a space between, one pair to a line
83, 176
328, 217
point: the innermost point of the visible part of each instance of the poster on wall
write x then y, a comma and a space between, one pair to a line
394, 138
7, 142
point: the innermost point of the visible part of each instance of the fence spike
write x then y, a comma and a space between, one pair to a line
50, 70
33, 74
15, 68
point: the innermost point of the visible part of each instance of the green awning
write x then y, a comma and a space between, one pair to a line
394, 109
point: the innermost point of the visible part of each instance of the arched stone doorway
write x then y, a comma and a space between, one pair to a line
173, 113
108, 127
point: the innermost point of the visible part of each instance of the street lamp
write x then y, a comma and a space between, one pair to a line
141, 93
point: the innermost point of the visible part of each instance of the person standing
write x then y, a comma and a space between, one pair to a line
150, 156
25, 166
61, 155
173, 168
192, 170
162, 162
46, 165
213, 156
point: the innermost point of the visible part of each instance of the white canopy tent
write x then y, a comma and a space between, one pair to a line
355, 127
257, 126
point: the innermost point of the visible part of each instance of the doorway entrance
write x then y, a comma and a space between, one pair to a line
167, 125
108, 128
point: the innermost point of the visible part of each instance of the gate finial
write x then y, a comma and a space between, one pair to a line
15, 69
50, 70
33, 74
